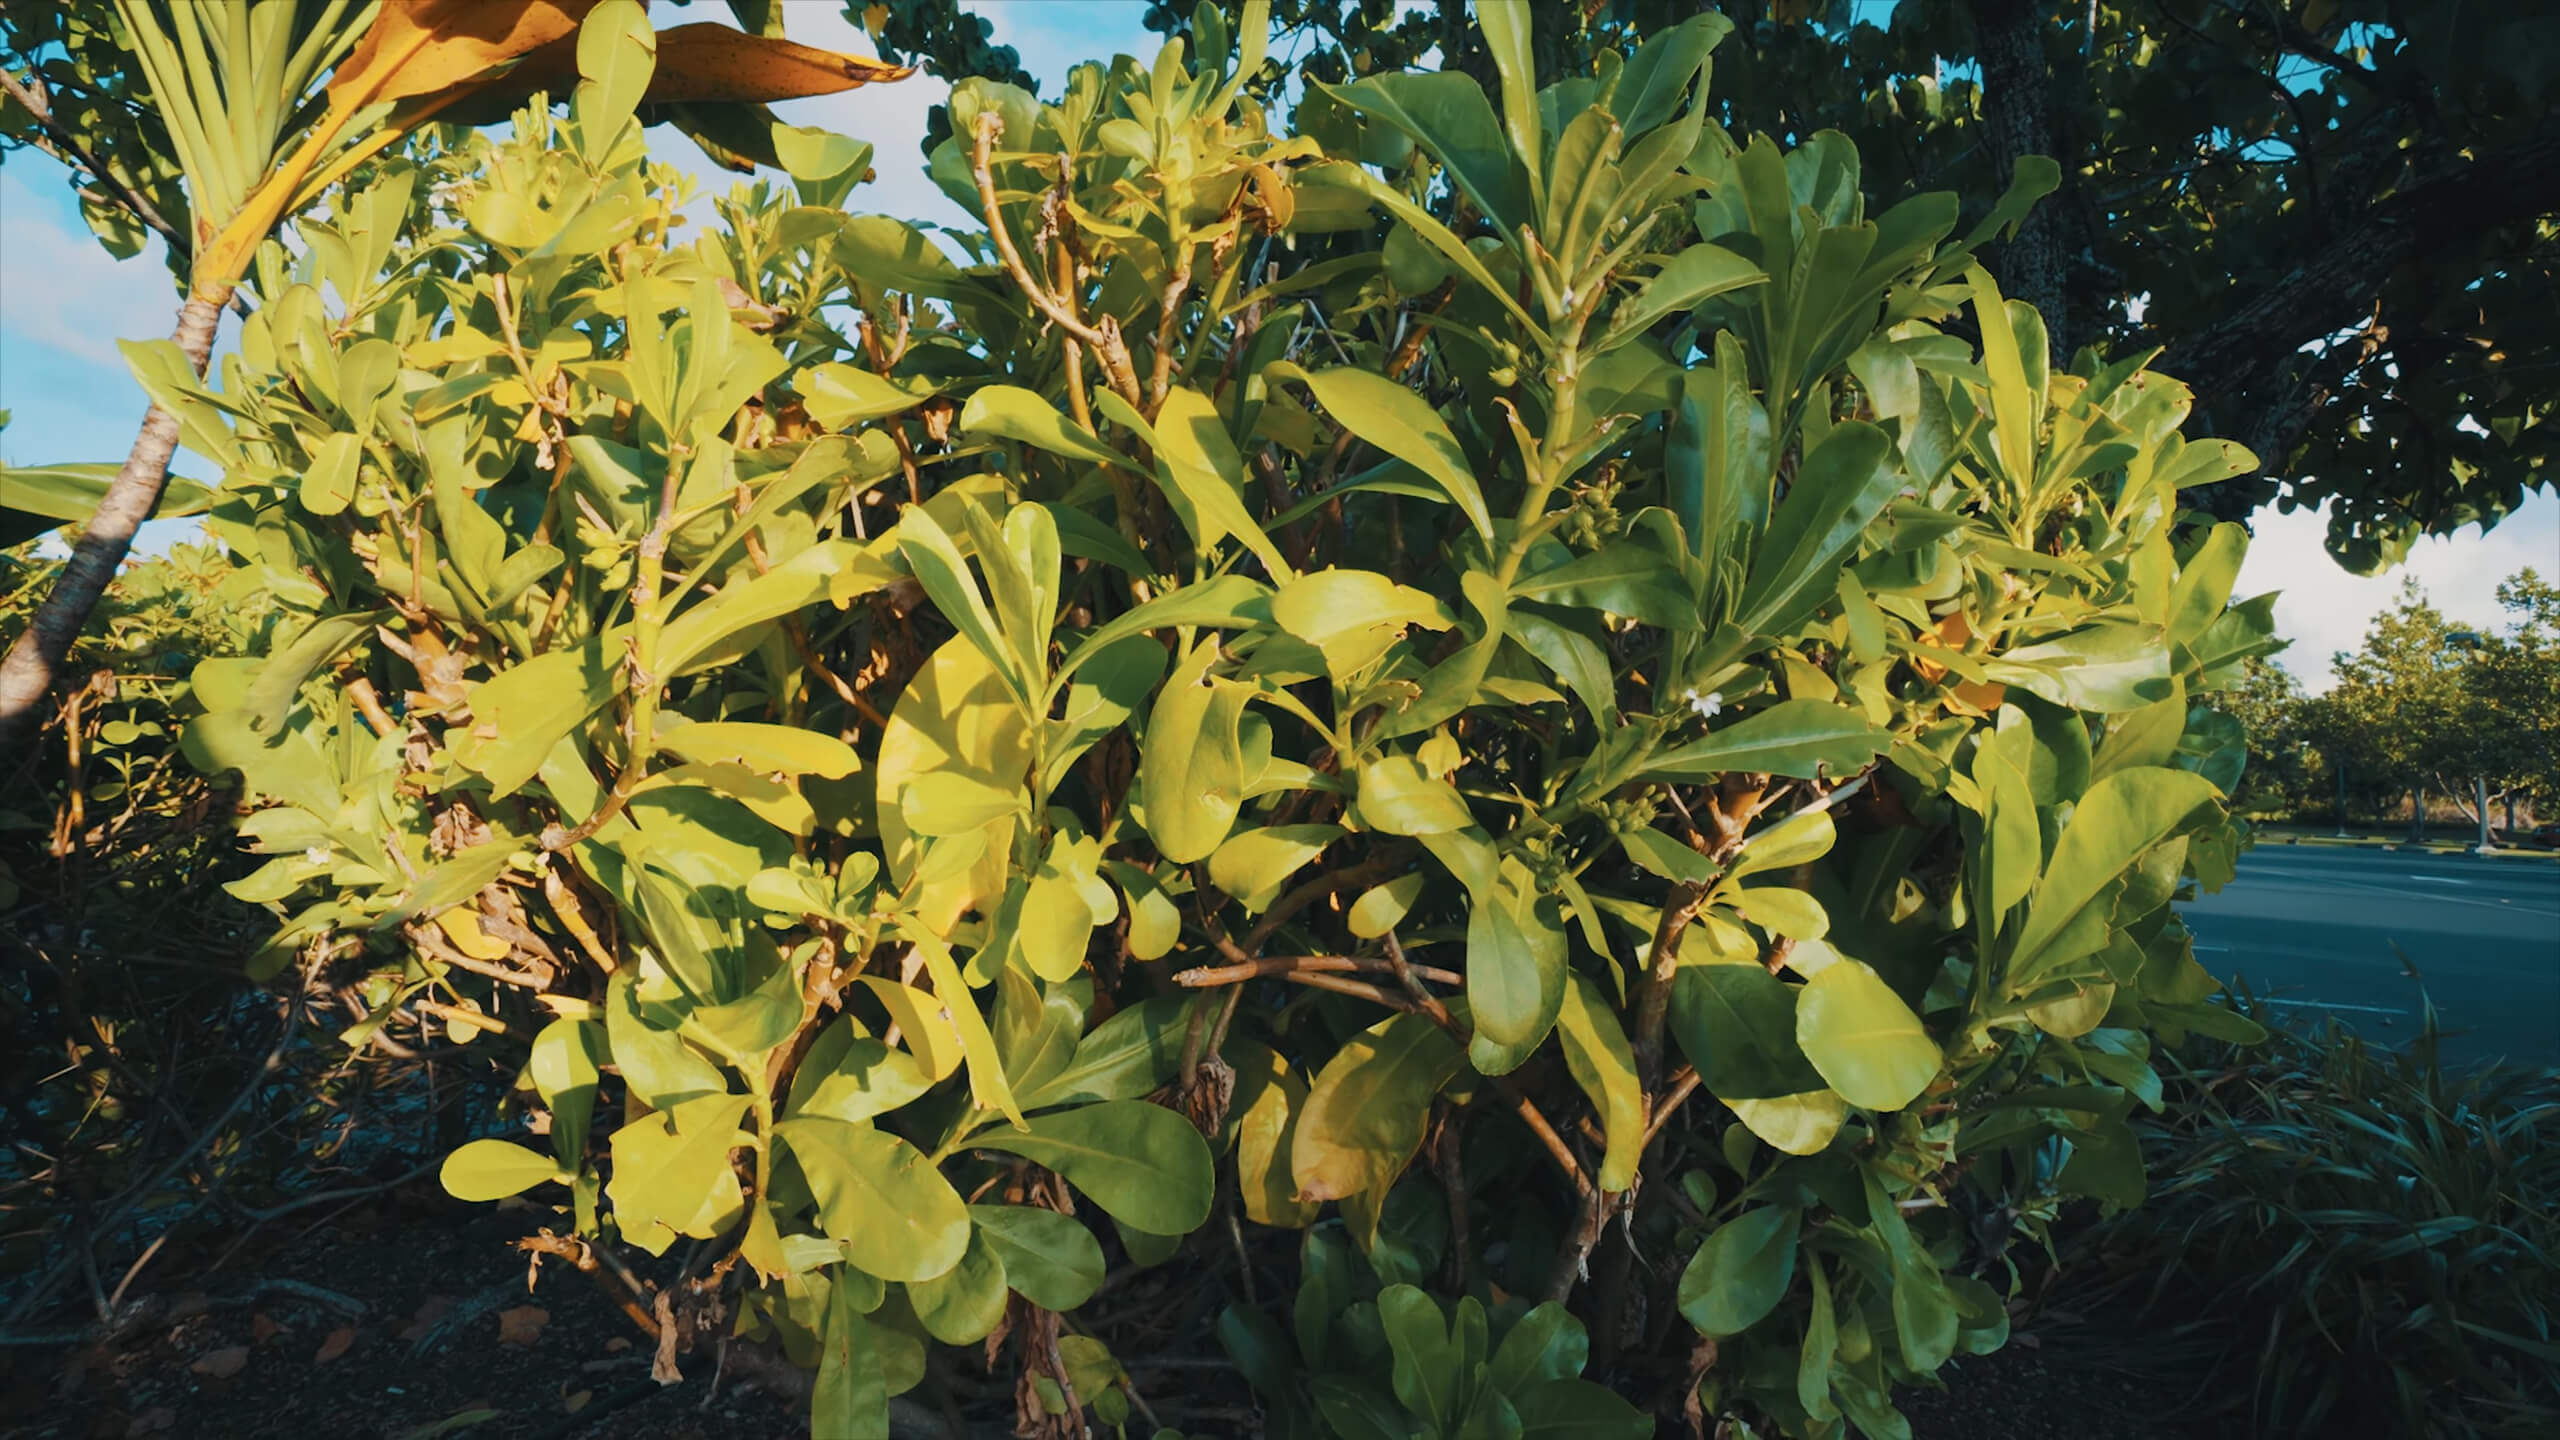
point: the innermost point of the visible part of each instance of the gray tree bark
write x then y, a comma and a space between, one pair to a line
34, 661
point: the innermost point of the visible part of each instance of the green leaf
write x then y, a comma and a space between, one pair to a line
1399, 422
1806, 835
1657, 79
851, 1400
1515, 966
931, 553
1603, 1063
1364, 1115
1269, 1098
2107, 668
852, 1077
1125, 1057
898, 1218
842, 397
1624, 579
1741, 1272
1012, 413
1223, 602
38, 498
1865, 1041
1346, 176
2119, 820
521, 713
1797, 1124
1506, 35
1253, 865
1447, 114
766, 749
495, 1169
964, 1304
1382, 907
1353, 616
617, 53
1203, 475
1053, 1260
1737, 1025
1577, 1409
1425, 1362
832, 570
1694, 276
1783, 911
1843, 484
329, 486
1802, 738
1191, 770
1143, 1164
1400, 797
671, 1172
280, 680
2205, 581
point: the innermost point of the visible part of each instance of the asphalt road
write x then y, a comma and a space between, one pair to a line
2313, 929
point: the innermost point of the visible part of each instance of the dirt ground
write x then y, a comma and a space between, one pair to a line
448, 1341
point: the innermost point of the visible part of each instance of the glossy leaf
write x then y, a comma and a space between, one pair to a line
1865, 1041
1741, 1271
895, 1214
1143, 1164
1365, 1112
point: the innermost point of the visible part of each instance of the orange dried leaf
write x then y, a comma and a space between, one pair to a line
522, 1325
713, 62
222, 1364
339, 1342
423, 46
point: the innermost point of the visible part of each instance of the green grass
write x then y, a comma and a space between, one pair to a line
2352, 1240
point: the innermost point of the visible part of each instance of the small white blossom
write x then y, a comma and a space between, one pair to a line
317, 854
1708, 705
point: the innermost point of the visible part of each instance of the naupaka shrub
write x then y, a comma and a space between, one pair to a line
1526, 689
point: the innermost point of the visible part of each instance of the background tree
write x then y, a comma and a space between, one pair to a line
2514, 684
2287, 775
2335, 215
2400, 711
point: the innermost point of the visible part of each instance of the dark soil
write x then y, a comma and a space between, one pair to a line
2021, 1393
450, 1342
444, 1336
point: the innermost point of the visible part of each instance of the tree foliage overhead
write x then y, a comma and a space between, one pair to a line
2339, 218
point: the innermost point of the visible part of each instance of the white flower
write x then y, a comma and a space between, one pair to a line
1708, 705
317, 854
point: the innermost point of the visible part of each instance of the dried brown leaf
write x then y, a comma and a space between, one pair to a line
522, 1325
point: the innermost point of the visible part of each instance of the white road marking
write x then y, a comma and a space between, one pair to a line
2214, 949
2329, 1005
2439, 879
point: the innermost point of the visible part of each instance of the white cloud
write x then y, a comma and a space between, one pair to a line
2324, 609
59, 289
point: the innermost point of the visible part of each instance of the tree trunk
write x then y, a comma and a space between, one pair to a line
2017, 114
2418, 811
27, 675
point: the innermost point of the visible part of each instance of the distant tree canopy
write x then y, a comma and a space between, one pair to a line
2336, 216
2429, 702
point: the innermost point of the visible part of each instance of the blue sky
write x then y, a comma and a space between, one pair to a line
64, 303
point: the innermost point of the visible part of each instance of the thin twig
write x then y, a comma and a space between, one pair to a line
1107, 345
1285, 966
32, 94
